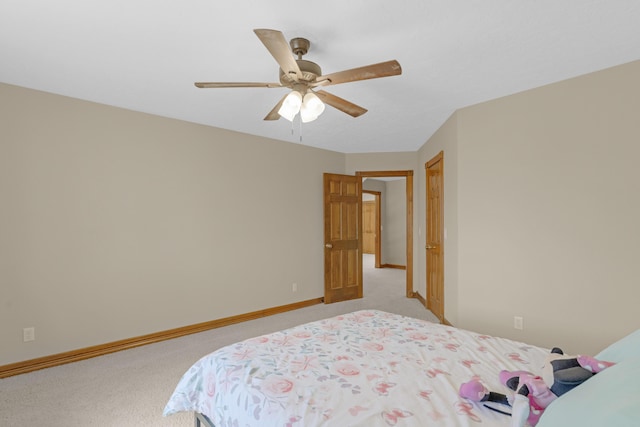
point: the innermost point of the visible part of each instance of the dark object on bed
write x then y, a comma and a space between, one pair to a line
202, 420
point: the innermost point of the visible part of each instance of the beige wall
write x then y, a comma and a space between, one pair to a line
372, 184
548, 211
115, 224
363, 162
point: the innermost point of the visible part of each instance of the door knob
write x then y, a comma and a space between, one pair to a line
328, 245
427, 247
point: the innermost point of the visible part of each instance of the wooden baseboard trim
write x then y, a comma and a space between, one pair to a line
420, 298
424, 302
112, 347
399, 267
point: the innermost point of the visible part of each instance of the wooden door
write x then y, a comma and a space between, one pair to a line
369, 222
435, 236
342, 237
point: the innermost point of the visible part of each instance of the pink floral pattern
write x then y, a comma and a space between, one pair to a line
276, 386
367, 368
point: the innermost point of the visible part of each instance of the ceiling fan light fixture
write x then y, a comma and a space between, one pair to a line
291, 105
311, 107
307, 116
303, 76
313, 103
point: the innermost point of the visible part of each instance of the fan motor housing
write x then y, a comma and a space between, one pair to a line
310, 72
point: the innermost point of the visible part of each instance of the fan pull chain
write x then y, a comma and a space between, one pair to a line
300, 129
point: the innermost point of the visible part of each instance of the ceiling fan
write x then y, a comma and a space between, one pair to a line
304, 77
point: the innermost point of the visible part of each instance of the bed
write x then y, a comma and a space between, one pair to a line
366, 368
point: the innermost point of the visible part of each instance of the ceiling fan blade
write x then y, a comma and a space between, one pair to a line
273, 114
277, 45
206, 85
374, 71
341, 104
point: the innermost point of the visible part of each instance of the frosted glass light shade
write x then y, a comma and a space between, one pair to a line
291, 105
306, 116
311, 107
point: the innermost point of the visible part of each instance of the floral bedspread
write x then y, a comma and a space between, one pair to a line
366, 368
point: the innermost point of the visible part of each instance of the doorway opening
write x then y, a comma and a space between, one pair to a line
408, 227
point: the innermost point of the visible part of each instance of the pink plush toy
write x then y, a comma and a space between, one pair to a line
533, 393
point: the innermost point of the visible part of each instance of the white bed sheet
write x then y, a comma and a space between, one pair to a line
367, 368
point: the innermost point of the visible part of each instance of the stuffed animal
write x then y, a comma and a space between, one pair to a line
533, 393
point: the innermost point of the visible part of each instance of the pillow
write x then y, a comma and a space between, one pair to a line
609, 398
624, 348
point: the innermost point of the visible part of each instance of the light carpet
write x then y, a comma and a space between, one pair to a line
131, 388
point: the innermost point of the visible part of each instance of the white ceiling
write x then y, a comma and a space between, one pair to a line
144, 55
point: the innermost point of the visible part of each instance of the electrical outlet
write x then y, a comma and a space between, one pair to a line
518, 322
29, 334
294, 287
